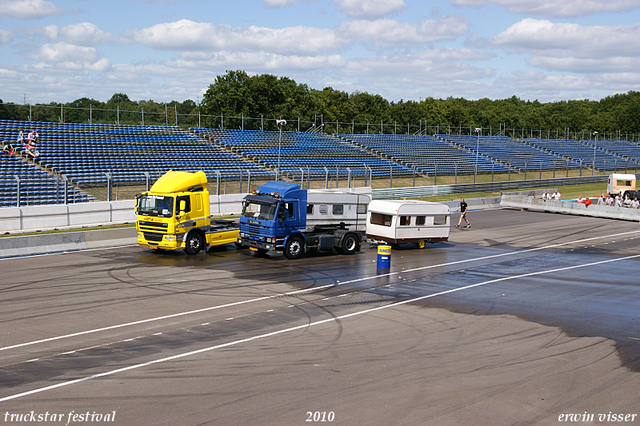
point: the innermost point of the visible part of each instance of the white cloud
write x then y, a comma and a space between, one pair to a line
572, 47
369, 9
29, 9
390, 33
83, 34
68, 57
186, 35
278, 3
6, 37
62, 52
555, 8
197, 36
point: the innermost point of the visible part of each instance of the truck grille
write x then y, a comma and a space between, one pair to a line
153, 225
153, 236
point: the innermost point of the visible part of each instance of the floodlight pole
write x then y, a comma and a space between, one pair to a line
593, 169
478, 130
280, 123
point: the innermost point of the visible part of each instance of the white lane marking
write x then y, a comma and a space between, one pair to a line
291, 293
302, 326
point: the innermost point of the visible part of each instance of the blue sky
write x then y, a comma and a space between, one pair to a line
62, 50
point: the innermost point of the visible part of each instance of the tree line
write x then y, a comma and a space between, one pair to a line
238, 100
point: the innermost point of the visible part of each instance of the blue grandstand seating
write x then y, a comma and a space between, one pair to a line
581, 151
311, 151
36, 185
428, 154
84, 153
514, 152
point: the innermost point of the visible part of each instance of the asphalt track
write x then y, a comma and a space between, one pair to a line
524, 319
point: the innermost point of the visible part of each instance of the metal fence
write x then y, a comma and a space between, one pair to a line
168, 115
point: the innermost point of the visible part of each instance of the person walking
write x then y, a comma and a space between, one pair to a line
463, 214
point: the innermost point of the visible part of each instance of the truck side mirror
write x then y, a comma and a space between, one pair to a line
183, 207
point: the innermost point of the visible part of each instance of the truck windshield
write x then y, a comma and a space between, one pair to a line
257, 210
155, 205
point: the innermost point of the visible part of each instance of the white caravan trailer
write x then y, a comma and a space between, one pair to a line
408, 221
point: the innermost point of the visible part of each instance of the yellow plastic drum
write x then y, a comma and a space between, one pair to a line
384, 257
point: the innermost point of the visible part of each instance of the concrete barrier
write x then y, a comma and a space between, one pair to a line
66, 241
568, 207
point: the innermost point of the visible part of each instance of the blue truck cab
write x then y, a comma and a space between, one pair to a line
274, 217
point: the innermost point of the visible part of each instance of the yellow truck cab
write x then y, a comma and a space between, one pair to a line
175, 214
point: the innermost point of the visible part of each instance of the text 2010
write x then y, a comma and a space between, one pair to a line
320, 416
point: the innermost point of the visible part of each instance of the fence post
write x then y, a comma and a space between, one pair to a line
326, 177
390, 176
17, 190
540, 170
435, 174
109, 186
218, 179
348, 177
248, 181
66, 189
147, 178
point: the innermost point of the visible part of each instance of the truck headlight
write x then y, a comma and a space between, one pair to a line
140, 235
170, 237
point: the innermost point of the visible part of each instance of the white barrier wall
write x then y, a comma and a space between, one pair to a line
56, 216
567, 207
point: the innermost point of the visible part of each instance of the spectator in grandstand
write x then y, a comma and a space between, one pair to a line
463, 214
32, 136
556, 196
7, 147
20, 138
634, 204
30, 146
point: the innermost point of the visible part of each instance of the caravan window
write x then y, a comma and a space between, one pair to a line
405, 220
440, 219
362, 209
380, 219
338, 209
309, 208
323, 209
420, 220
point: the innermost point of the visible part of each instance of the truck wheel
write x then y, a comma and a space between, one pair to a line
194, 243
420, 244
350, 244
294, 248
